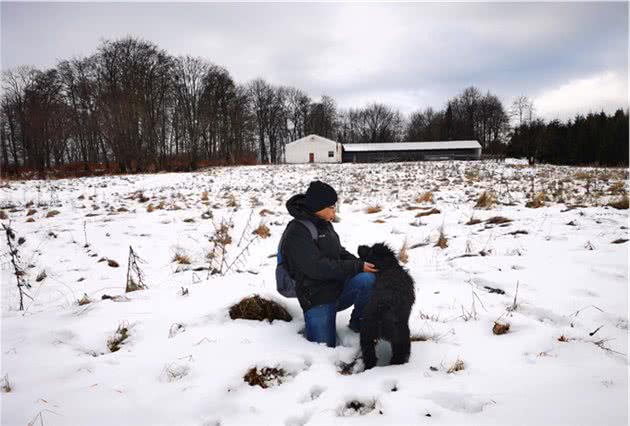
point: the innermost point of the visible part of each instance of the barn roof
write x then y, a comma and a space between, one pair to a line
410, 146
312, 138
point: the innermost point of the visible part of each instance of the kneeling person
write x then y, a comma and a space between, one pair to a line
328, 278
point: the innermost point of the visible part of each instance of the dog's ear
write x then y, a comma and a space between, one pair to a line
363, 252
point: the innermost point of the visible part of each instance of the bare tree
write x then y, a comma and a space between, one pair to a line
522, 110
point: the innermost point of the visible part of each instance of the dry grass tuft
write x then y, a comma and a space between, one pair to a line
204, 196
497, 220
500, 328
222, 234
373, 209
583, 175
617, 188
403, 256
471, 174
5, 385
181, 258
30, 220
150, 208
232, 201
442, 241
259, 309
536, 202
265, 212
265, 377
563, 338
486, 200
379, 221
52, 213
430, 212
426, 197
457, 366
473, 221
114, 342
262, 231
84, 300
621, 204
31, 212
418, 338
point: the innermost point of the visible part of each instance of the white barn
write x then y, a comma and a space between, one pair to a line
313, 149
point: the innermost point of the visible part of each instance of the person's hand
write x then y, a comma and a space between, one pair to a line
368, 267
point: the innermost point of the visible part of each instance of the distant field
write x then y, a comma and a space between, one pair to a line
542, 249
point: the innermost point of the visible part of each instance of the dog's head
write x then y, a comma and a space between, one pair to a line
380, 255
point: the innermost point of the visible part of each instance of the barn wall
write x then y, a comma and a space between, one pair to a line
392, 156
298, 152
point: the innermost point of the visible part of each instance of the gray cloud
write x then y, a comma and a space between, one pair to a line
410, 55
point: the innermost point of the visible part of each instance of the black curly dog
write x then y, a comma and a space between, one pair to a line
386, 315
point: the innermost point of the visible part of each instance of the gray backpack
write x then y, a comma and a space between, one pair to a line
284, 283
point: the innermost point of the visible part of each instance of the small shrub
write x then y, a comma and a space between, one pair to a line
150, 208
52, 213
30, 220
373, 209
259, 309
31, 212
265, 377
262, 231
486, 200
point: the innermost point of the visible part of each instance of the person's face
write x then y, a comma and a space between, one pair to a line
327, 213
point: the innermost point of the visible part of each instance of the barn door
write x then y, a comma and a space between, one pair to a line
311, 157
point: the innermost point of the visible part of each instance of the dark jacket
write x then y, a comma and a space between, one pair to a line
321, 268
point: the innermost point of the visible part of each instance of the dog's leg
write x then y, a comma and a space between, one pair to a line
401, 346
367, 349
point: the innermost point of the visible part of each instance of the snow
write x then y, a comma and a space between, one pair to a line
184, 359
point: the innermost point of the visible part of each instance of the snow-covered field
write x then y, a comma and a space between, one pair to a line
565, 283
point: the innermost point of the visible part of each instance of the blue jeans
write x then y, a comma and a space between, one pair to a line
321, 319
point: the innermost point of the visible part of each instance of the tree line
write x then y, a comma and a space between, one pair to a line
132, 107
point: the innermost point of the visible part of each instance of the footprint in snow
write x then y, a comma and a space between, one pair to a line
314, 393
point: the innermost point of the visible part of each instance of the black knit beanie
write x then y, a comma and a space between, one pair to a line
319, 195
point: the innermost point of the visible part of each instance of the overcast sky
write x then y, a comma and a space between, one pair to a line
567, 57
